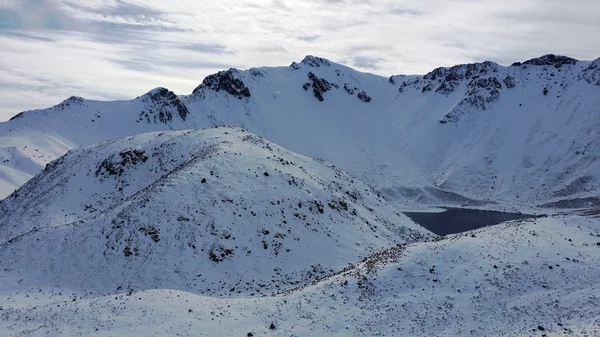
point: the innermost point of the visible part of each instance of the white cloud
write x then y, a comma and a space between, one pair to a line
107, 49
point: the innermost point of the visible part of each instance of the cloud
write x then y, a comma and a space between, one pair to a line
107, 49
207, 48
25, 36
365, 62
118, 8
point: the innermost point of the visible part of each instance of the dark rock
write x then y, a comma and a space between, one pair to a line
319, 85
127, 251
450, 77
154, 233
219, 253
160, 104
116, 164
226, 81
427, 88
591, 74
256, 73
364, 97
314, 61
509, 82
549, 60
349, 90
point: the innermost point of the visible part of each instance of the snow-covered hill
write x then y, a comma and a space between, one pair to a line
523, 278
524, 134
215, 212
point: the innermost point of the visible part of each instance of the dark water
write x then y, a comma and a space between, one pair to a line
457, 220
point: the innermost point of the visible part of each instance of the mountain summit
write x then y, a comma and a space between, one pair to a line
469, 134
215, 212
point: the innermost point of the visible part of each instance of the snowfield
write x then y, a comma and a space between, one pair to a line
215, 212
267, 203
522, 278
522, 135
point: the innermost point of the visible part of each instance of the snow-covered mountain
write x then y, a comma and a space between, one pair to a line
524, 134
137, 223
214, 212
523, 278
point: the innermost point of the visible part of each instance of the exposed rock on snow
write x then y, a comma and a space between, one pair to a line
226, 81
549, 60
312, 61
193, 211
500, 138
160, 105
527, 277
319, 85
591, 74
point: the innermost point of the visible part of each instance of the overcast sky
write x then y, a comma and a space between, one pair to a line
112, 49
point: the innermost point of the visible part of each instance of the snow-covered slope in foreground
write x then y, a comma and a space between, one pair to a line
215, 212
524, 278
525, 134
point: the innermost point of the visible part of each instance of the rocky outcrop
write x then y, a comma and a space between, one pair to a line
160, 105
509, 82
556, 61
364, 97
480, 92
116, 164
319, 85
227, 81
446, 80
312, 61
591, 74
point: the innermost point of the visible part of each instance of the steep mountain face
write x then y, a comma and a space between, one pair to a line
523, 134
214, 212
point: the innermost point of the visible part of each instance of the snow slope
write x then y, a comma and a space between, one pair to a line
519, 135
523, 278
213, 212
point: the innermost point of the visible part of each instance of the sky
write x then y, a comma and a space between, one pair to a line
119, 49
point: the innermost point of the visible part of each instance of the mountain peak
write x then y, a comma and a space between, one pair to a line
226, 80
312, 61
549, 60
160, 106
462, 71
158, 91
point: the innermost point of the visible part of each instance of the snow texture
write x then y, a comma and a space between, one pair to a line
472, 134
523, 278
214, 212
266, 203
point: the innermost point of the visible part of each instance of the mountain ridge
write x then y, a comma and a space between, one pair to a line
380, 129
268, 202
203, 211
